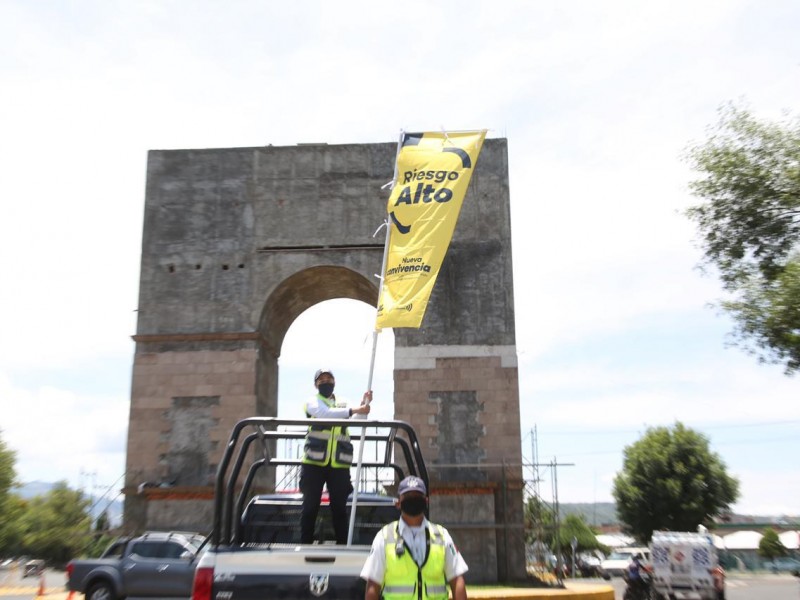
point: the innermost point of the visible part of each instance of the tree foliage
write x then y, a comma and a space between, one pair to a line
97, 545
575, 526
56, 526
671, 480
770, 545
8, 504
540, 524
11, 528
749, 226
7, 473
539, 521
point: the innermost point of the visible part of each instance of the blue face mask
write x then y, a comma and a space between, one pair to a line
326, 389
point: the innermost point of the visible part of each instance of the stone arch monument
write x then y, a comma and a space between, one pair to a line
237, 243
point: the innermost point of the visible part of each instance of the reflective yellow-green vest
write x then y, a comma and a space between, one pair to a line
326, 446
404, 579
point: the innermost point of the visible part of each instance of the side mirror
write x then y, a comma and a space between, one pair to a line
187, 554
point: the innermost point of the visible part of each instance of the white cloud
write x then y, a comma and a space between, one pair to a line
60, 434
758, 491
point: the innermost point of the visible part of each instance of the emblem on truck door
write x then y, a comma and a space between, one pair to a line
318, 583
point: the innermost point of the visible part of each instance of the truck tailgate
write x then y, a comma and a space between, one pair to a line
290, 572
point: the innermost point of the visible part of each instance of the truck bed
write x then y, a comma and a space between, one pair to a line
255, 552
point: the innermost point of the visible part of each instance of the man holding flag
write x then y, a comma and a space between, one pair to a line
327, 456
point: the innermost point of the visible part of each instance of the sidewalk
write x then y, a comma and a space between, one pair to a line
574, 591
33, 591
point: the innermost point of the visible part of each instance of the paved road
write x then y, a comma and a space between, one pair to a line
746, 587
13, 586
740, 587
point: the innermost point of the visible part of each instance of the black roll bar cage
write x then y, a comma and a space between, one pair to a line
265, 429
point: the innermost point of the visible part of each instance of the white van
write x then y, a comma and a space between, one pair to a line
685, 563
619, 559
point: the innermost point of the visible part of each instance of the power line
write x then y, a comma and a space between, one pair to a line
99, 499
584, 432
730, 443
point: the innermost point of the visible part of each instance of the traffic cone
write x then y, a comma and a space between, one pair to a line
41, 586
70, 595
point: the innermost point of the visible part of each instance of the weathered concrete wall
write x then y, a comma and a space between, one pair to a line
180, 515
468, 406
178, 424
469, 517
224, 227
238, 242
465, 409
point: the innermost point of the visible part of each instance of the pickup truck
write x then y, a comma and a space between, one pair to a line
155, 564
254, 550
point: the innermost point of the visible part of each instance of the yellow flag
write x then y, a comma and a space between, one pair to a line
433, 173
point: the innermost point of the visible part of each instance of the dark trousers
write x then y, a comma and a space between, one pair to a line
312, 478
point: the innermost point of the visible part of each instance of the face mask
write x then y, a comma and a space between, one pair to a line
413, 506
326, 389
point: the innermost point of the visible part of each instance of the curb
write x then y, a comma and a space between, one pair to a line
573, 591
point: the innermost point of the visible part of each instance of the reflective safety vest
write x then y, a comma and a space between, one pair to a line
328, 445
404, 579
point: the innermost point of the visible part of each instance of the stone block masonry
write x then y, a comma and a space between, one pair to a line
237, 243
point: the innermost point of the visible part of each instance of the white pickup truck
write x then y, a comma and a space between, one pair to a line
685, 565
254, 550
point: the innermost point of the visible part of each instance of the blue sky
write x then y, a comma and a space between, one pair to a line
598, 102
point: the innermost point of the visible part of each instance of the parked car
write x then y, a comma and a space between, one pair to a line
588, 565
33, 568
155, 564
783, 564
617, 562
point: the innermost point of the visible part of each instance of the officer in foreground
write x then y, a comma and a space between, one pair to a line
327, 456
414, 551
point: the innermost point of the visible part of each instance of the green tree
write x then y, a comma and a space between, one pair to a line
56, 526
770, 545
542, 532
101, 537
11, 527
539, 521
749, 225
8, 502
102, 523
575, 526
671, 480
98, 544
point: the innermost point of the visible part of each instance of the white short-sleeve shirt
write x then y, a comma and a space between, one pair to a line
375, 566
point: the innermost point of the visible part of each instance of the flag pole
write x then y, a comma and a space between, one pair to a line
375, 333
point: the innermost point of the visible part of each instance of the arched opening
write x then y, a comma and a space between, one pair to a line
321, 317
336, 335
331, 308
